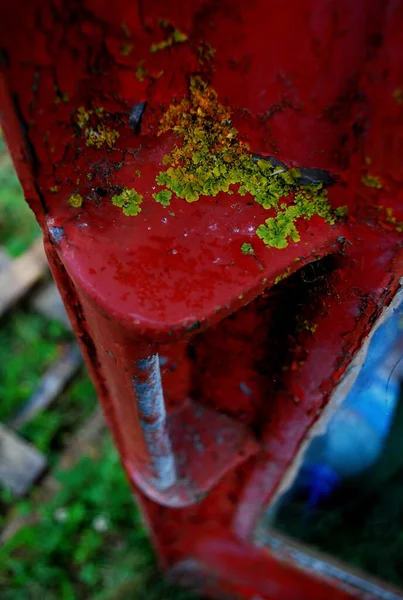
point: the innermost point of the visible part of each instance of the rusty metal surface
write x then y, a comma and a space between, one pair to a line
250, 344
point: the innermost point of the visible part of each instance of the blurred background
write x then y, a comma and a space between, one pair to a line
68, 526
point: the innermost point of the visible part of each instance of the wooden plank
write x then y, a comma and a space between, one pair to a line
50, 386
20, 463
5, 260
47, 302
85, 441
21, 274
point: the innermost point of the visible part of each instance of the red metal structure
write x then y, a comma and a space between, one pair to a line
214, 349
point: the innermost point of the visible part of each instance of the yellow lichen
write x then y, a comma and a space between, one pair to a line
75, 200
96, 134
304, 325
206, 53
141, 72
211, 158
101, 136
129, 201
371, 181
54, 189
62, 98
83, 116
393, 221
282, 276
126, 49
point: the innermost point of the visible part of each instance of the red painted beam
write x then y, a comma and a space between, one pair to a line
213, 352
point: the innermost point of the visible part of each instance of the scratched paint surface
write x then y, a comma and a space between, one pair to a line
314, 84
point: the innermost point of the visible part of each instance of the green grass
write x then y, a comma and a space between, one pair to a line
49, 430
89, 542
29, 343
18, 228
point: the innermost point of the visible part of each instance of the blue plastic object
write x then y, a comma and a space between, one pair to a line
356, 434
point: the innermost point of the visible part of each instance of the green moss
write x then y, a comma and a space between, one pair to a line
129, 201
163, 197
371, 181
210, 159
247, 249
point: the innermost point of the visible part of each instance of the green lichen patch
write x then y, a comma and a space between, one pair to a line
371, 181
210, 158
341, 211
76, 200
175, 37
247, 249
163, 197
129, 201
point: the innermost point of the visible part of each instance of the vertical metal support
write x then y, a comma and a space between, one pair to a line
152, 418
